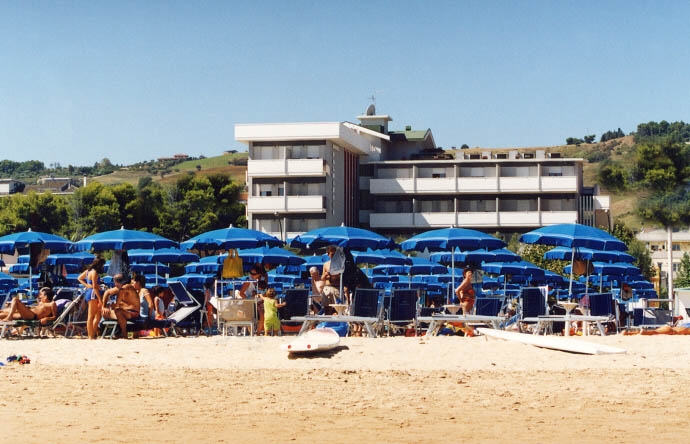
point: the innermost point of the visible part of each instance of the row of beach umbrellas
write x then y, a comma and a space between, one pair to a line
447, 246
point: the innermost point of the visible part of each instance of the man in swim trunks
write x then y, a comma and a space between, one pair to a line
126, 305
45, 311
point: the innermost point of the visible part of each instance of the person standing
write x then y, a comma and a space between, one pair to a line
91, 280
271, 306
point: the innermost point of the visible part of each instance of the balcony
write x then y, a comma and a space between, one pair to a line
286, 168
286, 204
477, 220
473, 185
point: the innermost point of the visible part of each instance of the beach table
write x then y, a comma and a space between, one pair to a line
309, 320
436, 320
545, 323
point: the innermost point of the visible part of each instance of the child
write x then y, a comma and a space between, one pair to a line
271, 306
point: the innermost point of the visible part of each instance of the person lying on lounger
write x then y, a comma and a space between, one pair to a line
683, 329
45, 311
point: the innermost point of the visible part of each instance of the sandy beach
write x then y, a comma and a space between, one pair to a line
398, 390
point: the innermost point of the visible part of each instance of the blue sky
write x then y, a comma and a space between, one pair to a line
132, 81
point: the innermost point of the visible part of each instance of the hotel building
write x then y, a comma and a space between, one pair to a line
302, 176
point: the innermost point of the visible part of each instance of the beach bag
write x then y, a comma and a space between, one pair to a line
232, 266
581, 267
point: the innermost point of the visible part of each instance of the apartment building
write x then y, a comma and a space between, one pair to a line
302, 176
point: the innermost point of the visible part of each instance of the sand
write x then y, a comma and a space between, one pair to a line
397, 390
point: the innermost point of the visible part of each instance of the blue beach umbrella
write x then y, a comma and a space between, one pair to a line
381, 256
342, 236
448, 239
573, 236
23, 241
166, 255
230, 238
270, 255
476, 257
27, 242
565, 253
123, 239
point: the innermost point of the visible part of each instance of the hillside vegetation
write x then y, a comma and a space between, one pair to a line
620, 150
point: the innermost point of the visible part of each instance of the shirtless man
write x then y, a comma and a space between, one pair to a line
45, 311
331, 283
126, 305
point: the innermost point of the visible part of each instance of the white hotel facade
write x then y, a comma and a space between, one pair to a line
302, 176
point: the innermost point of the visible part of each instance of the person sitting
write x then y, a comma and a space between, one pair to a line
316, 290
126, 306
250, 287
44, 312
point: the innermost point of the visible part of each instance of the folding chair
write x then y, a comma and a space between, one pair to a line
367, 305
234, 313
533, 303
296, 304
402, 310
187, 305
603, 304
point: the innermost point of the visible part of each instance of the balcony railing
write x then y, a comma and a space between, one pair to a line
285, 167
286, 204
473, 185
471, 219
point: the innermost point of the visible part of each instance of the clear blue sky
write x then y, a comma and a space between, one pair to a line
132, 81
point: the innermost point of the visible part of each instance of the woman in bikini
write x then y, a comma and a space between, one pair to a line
90, 279
465, 292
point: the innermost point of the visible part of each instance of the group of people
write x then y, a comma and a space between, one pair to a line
125, 301
267, 304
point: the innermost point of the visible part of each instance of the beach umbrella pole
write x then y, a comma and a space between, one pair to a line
570, 284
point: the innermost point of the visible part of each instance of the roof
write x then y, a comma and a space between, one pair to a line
410, 135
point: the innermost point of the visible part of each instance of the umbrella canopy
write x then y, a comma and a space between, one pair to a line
381, 256
194, 280
574, 236
522, 268
447, 239
476, 256
342, 236
80, 259
23, 241
230, 238
610, 269
565, 253
166, 255
6, 279
270, 255
123, 239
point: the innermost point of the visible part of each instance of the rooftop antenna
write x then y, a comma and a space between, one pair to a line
371, 109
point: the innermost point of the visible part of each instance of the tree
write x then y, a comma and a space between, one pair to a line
683, 273
590, 139
612, 176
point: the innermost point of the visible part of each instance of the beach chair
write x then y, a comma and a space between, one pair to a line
296, 304
68, 300
234, 313
603, 304
488, 306
367, 306
402, 310
533, 303
186, 306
